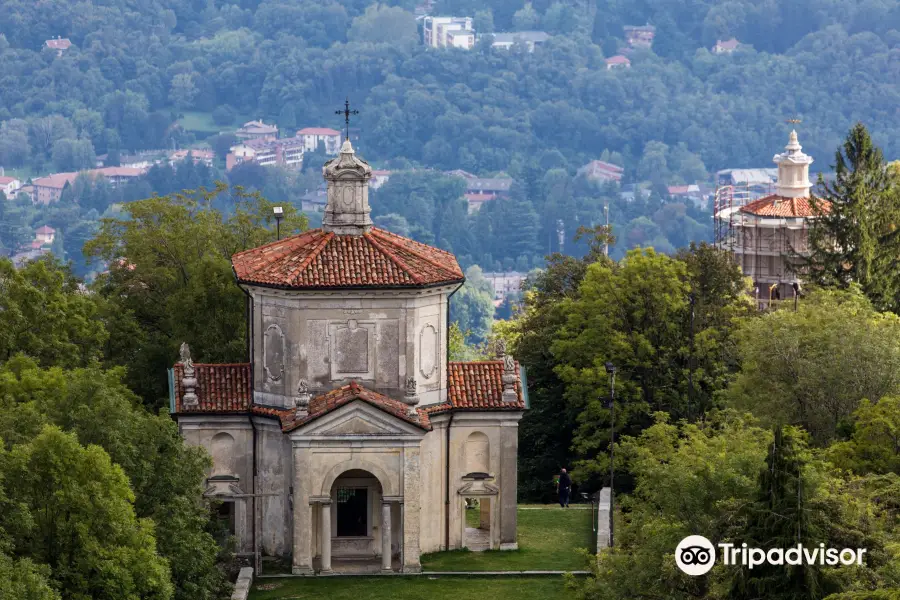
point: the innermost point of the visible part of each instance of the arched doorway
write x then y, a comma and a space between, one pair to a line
355, 533
355, 495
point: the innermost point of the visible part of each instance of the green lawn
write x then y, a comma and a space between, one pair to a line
549, 540
409, 588
202, 122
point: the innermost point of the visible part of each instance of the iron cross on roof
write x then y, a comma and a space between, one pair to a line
347, 112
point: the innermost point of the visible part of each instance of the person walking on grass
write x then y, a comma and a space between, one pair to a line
563, 487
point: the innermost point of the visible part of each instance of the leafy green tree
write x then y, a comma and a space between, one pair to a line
44, 314
677, 492
381, 24
874, 445
82, 521
472, 306
21, 579
854, 238
183, 90
157, 300
814, 366
165, 474
545, 431
526, 18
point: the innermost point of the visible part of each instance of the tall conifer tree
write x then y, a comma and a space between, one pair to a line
855, 237
780, 517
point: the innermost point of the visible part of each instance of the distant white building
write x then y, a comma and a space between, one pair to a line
9, 186
379, 178
284, 152
443, 32
311, 137
504, 284
530, 39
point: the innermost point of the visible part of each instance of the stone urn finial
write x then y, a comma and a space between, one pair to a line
411, 397
509, 375
303, 398
189, 381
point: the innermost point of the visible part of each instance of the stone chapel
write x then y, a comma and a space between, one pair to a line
349, 439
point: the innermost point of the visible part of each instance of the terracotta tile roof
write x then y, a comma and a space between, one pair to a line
320, 259
618, 59
59, 43
781, 207
220, 388
57, 180
324, 404
479, 385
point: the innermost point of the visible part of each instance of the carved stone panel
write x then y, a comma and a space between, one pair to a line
352, 349
273, 352
387, 358
351, 346
429, 349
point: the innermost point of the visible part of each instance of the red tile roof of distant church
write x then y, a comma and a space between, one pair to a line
321, 259
336, 398
780, 206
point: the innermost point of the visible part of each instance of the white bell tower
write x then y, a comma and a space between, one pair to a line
793, 170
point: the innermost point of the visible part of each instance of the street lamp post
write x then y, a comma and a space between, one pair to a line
611, 371
691, 363
279, 214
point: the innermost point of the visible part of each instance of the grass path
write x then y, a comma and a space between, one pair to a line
411, 588
549, 540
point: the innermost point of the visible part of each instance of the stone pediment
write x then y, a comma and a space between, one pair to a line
359, 419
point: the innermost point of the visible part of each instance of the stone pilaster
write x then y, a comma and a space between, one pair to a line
509, 483
386, 537
326, 538
302, 558
412, 484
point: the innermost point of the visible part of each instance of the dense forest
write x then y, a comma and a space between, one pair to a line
679, 113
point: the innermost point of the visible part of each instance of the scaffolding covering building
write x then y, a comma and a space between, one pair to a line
768, 236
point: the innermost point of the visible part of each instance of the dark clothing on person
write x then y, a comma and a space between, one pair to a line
565, 485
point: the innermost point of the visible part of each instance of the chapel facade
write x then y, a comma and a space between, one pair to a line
349, 437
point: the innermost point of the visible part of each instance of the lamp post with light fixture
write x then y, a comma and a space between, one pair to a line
279, 214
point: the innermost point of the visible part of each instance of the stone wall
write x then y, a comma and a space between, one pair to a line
603, 520
229, 440
243, 584
330, 338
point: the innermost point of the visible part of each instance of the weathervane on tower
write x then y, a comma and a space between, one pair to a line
347, 112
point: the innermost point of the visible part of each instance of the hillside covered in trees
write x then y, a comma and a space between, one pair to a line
140, 74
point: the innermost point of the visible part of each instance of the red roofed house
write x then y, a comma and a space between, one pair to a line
59, 44
725, 46
311, 137
9, 186
618, 61
348, 414
598, 170
765, 232
257, 130
44, 235
48, 189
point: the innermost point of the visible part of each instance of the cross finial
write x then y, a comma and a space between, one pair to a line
347, 112
794, 121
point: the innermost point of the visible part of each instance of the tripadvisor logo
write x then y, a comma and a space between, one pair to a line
696, 555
